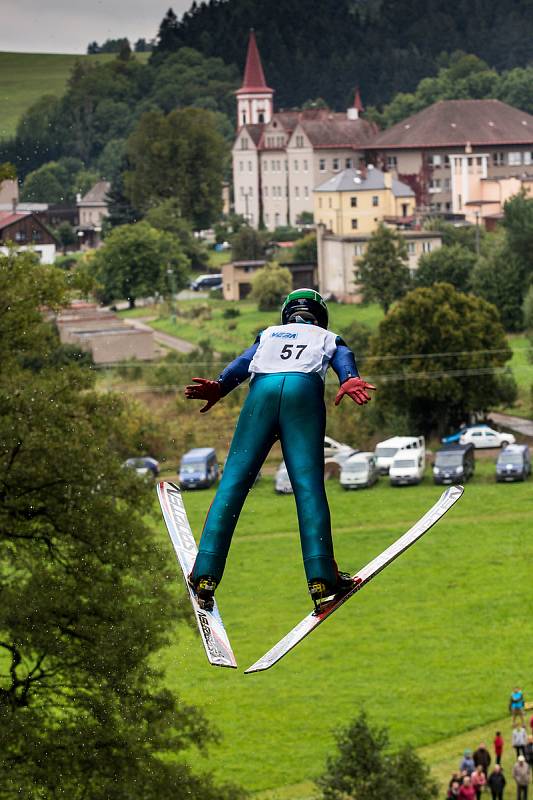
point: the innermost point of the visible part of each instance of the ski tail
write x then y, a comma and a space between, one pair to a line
214, 637
361, 578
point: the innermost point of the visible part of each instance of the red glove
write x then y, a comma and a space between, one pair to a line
207, 390
356, 388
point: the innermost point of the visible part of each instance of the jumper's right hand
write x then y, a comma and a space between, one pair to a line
204, 389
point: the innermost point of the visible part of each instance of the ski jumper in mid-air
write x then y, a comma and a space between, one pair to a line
286, 365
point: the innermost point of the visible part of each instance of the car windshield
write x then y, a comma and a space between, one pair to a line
511, 458
386, 452
192, 466
356, 466
405, 462
449, 459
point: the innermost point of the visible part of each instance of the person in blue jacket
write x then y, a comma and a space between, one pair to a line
286, 365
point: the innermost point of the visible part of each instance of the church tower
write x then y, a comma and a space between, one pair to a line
254, 98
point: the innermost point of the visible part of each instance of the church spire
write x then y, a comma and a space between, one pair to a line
254, 98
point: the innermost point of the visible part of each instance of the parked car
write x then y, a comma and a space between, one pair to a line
143, 465
282, 484
454, 437
386, 450
359, 471
483, 436
407, 467
206, 282
514, 463
198, 468
454, 463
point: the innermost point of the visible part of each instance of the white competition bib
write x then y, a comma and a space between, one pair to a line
296, 347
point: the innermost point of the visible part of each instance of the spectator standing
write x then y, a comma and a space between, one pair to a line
521, 774
479, 781
531, 724
467, 764
482, 758
497, 782
498, 747
528, 751
467, 791
519, 739
516, 704
453, 789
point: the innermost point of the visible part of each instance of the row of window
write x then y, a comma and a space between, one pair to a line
359, 249
439, 185
275, 141
353, 201
276, 191
36, 236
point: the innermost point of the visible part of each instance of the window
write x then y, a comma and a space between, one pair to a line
242, 191
286, 165
261, 116
411, 248
297, 191
36, 235
348, 163
514, 159
250, 166
278, 166
299, 141
448, 206
244, 118
498, 159
335, 164
426, 247
306, 191
446, 184
267, 219
375, 200
306, 166
329, 202
392, 162
20, 236
435, 160
273, 166
353, 202
296, 165
244, 143
265, 191
320, 202
528, 158
250, 191
405, 209
434, 185
265, 166
354, 224
241, 166
358, 250
322, 165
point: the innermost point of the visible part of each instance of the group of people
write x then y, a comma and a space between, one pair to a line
474, 778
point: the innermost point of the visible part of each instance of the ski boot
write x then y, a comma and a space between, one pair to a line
323, 593
204, 589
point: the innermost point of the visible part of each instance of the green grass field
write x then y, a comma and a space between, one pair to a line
238, 333
431, 648
25, 77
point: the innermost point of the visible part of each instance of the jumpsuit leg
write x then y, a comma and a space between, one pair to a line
254, 435
302, 428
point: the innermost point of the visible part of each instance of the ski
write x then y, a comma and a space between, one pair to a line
215, 639
361, 578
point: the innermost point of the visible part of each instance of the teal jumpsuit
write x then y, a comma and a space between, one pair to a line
288, 406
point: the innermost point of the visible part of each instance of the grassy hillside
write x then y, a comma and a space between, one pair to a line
24, 77
431, 648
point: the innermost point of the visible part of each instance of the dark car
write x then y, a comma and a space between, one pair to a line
206, 283
454, 463
514, 463
143, 465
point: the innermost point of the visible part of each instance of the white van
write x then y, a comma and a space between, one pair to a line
407, 467
386, 450
359, 471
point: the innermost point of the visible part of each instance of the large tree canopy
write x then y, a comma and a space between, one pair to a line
440, 356
86, 604
382, 272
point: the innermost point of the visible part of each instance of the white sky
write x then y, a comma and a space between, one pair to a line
67, 26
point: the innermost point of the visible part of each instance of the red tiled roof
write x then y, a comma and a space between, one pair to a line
336, 130
7, 218
454, 123
254, 77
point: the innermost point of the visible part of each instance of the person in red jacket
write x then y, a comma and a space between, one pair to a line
467, 791
498, 747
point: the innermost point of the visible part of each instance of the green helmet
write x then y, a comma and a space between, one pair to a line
305, 303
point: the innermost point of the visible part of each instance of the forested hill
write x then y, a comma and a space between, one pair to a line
324, 48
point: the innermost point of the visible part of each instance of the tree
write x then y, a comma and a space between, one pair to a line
469, 236
58, 181
357, 337
518, 225
270, 285
66, 235
83, 711
499, 277
382, 271
305, 250
8, 172
167, 217
453, 264
249, 244
442, 353
365, 768
138, 261
180, 155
